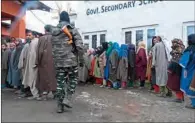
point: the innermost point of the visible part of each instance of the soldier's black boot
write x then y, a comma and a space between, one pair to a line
67, 103
60, 108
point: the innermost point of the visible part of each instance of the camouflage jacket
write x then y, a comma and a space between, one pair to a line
62, 51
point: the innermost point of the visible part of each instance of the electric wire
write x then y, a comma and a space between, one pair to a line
37, 17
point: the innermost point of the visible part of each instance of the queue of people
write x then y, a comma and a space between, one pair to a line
119, 67
50, 64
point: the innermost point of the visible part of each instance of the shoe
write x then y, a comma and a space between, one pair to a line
102, 86
39, 98
18, 92
67, 103
141, 87
161, 95
44, 97
153, 91
31, 98
190, 107
60, 108
22, 95
169, 94
108, 87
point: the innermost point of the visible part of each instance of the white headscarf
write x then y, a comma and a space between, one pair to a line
167, 48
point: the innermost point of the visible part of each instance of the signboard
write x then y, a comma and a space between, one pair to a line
120, 6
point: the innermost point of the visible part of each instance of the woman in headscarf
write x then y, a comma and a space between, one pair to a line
113, 63
141, 63
102, 61
122, 71
83, 71
97, 69
107, 67
174, 69
160, 59
131, 60
90, 58
151, 74
187, 63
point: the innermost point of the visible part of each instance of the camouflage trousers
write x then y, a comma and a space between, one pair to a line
66, 83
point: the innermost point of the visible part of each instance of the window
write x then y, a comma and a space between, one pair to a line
102, 38
94, 41
190, 30
128, 37
86, 37
150, 34
139, 36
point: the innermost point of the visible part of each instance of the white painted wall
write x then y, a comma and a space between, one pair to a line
168, 15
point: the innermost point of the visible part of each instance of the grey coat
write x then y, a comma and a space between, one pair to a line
4, 65
83, 72
113, 65
160, 62
122, 71
15, 73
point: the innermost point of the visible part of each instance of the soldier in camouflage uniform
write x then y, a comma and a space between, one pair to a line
67, 49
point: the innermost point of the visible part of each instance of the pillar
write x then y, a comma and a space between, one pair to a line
18, 31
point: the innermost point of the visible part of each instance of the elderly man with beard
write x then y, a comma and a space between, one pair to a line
30, 73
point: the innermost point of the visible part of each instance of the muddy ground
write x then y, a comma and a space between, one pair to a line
95, 104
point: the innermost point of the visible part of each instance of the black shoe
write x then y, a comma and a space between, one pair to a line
60, 108
169, 94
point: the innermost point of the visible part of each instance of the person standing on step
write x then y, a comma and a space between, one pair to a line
141, 63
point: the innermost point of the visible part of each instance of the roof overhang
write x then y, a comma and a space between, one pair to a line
38, 5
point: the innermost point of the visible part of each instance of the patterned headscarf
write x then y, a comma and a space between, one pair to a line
177, 49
